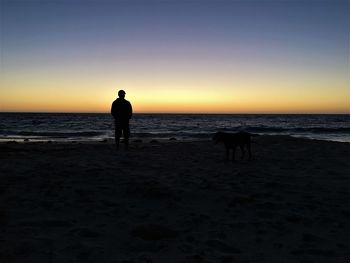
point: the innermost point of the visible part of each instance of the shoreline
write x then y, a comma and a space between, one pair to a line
149, 139
175, 202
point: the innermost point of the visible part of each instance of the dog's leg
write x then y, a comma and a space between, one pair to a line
242, 151
249, 151
227, 151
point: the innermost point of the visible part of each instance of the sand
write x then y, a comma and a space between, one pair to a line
175, 202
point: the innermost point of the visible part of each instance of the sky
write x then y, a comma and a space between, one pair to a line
239, 56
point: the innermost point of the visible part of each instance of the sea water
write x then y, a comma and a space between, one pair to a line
99, 126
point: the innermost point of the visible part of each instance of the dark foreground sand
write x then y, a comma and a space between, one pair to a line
175, 202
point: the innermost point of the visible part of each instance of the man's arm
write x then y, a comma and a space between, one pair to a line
113, 109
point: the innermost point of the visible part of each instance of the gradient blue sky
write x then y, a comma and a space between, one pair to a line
175, 56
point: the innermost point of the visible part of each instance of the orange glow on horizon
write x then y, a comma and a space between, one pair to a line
166, 105
239, 96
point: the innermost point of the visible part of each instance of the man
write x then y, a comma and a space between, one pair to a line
122, 112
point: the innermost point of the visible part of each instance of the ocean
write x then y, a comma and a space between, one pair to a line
63, 127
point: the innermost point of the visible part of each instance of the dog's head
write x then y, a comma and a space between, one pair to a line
218, 137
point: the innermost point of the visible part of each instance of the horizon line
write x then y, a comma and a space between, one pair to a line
189, 113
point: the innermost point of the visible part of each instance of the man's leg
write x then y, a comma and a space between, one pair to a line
126, 132
117, 134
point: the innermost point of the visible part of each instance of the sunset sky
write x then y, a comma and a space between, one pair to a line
275, 56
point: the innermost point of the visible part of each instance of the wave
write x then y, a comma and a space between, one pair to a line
314, 130
171, 134
199, 133
258, 130
57, 134
324, 130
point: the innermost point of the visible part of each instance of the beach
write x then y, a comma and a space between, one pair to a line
174, 201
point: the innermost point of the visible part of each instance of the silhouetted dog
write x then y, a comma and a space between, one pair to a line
232, 140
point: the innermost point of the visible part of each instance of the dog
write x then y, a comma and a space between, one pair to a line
232, 140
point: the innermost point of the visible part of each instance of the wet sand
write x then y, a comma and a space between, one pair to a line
175, 202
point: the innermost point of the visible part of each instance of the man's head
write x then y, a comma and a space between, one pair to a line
121, 94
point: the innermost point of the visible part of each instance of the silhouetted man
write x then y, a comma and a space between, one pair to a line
122, 112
